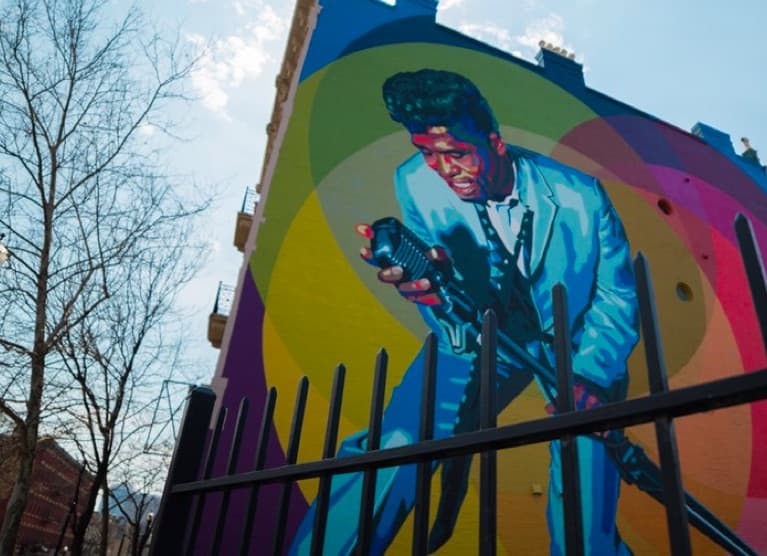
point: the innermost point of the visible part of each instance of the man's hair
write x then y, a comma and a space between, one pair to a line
430, 97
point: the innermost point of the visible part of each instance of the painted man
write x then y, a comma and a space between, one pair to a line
513, 223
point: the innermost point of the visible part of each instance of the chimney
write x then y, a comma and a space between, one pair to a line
560, 66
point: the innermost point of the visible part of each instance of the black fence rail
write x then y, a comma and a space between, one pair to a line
184, 498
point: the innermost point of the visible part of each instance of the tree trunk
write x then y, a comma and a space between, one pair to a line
135, 544
18, 499
28, 437
27, 448
81, 527
145, 536
143, 527
104, 518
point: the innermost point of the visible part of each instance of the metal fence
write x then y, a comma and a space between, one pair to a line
185, 493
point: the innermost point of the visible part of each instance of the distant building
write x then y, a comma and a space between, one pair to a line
54, 479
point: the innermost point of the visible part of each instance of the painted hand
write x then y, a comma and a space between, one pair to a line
417, 291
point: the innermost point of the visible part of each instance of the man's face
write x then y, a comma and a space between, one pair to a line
476, 169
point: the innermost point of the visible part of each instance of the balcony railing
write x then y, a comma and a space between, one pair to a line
221, 309
245, 218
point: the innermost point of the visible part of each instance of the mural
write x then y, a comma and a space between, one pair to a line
509, 224
508, 177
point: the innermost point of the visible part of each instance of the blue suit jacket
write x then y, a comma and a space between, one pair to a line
577, 239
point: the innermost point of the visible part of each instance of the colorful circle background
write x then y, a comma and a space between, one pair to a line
676, 197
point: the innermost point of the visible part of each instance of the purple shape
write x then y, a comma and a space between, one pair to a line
245, 377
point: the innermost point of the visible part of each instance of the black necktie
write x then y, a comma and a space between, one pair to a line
516, 312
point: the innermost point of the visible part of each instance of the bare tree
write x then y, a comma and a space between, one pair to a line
85, 200
137, 501
116, 359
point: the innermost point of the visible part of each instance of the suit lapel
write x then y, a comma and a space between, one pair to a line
535, 192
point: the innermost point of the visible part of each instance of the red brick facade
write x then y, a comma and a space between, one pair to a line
54, 478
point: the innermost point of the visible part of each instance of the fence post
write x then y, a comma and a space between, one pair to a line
260, 459
231, 468
173, 514
328, 451
754, 267
367, 503
425, 432
565, 402
673, 490
210, 460
291, 456
488, 459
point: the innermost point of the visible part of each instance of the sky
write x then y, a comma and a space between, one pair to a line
683, 61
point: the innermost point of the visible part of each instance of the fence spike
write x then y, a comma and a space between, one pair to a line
425, 432
259, 461
291, 457
231, 469
328, 451
673, 490
754, 266
367, 501
565, 402
210, 460
488, 460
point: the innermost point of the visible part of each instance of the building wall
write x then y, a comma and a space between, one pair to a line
306, 300
54, 479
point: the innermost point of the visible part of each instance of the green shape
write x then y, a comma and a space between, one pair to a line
290, 185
